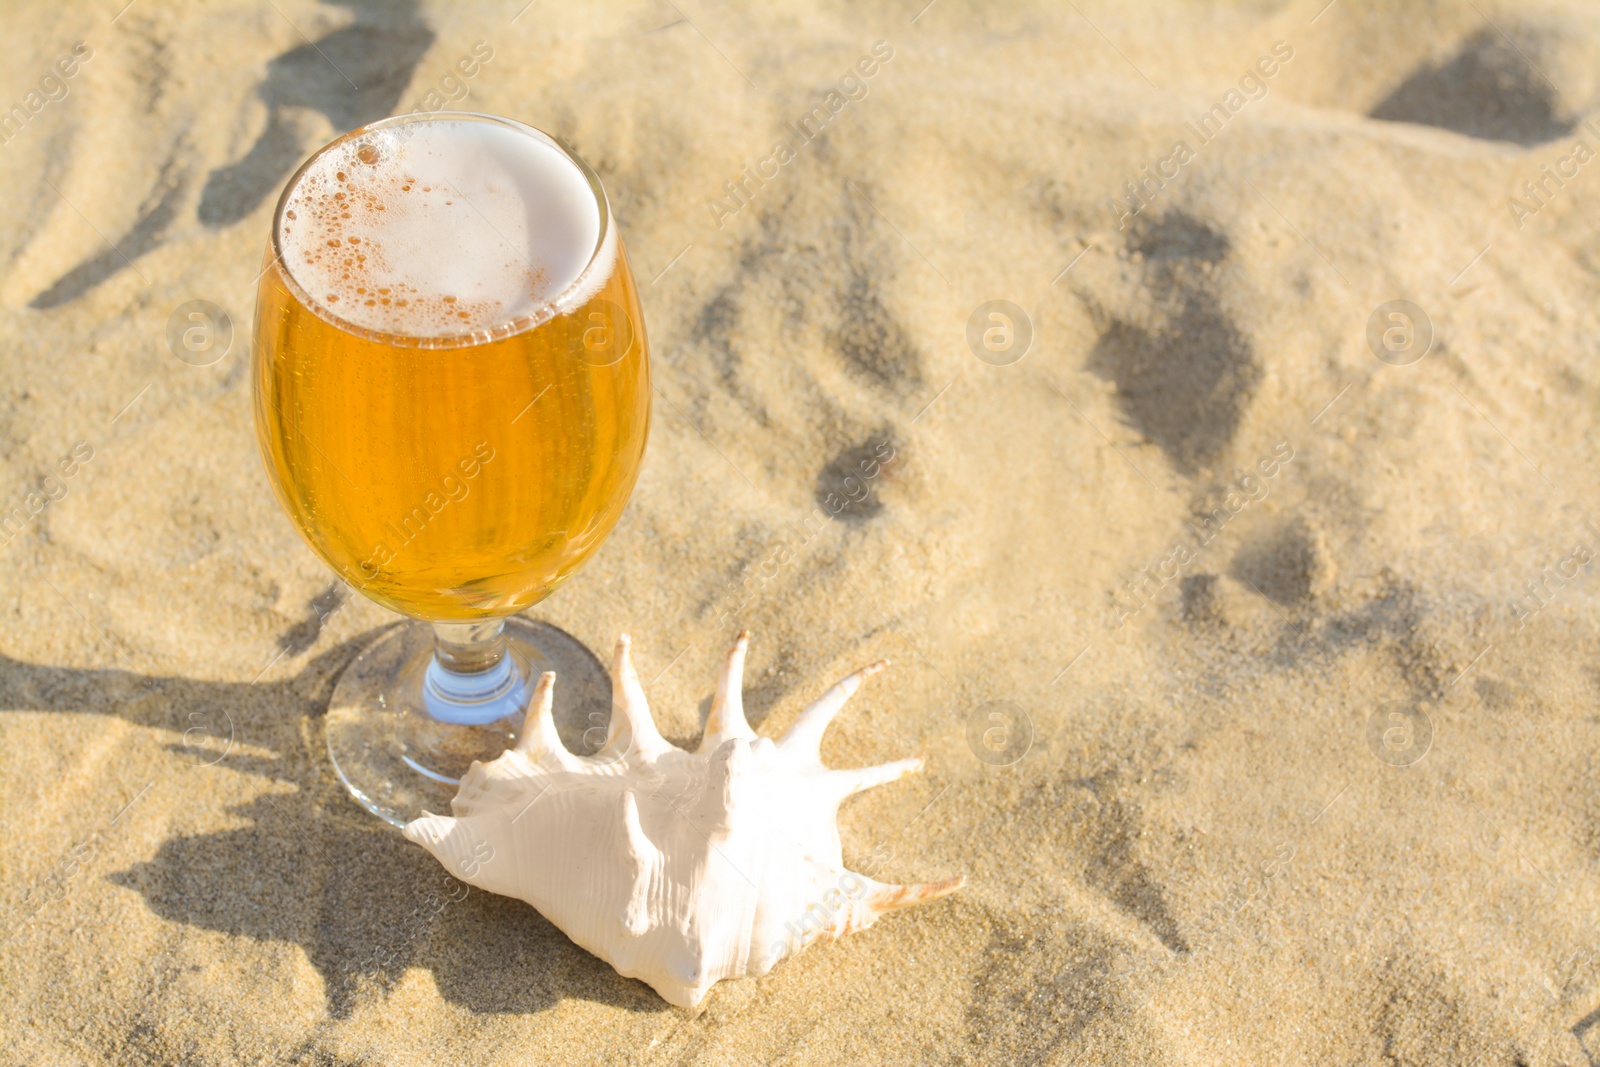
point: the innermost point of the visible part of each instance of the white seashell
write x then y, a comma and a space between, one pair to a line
678, 868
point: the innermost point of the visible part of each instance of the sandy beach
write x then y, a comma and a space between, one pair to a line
1264, 531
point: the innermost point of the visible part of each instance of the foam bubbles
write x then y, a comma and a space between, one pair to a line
439, 228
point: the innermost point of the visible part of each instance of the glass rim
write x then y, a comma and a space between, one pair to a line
557, 305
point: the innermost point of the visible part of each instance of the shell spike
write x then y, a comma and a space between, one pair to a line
430, 831
804, 737
727, 720
632, 728
644, 864
845, 783
880, 899
539, 739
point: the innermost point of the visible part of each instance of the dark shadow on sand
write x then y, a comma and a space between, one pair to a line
1489, 89
354, 76
312, 869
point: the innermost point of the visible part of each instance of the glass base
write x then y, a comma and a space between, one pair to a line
398, 760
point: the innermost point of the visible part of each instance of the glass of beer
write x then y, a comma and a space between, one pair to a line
452, 396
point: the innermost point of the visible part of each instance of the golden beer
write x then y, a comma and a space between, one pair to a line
453, 449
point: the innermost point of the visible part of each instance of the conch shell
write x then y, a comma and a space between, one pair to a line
678, 868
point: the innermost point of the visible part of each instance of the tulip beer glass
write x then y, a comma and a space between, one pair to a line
452, 396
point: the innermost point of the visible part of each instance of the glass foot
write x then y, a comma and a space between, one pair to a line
398, 758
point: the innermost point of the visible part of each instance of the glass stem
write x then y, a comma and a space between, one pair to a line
469, 647
471, 679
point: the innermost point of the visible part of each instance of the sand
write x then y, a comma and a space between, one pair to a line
1309, 772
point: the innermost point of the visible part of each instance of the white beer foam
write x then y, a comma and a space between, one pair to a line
440, 228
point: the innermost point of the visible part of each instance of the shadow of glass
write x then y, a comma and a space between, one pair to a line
145, 235
354, 76
311, 869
